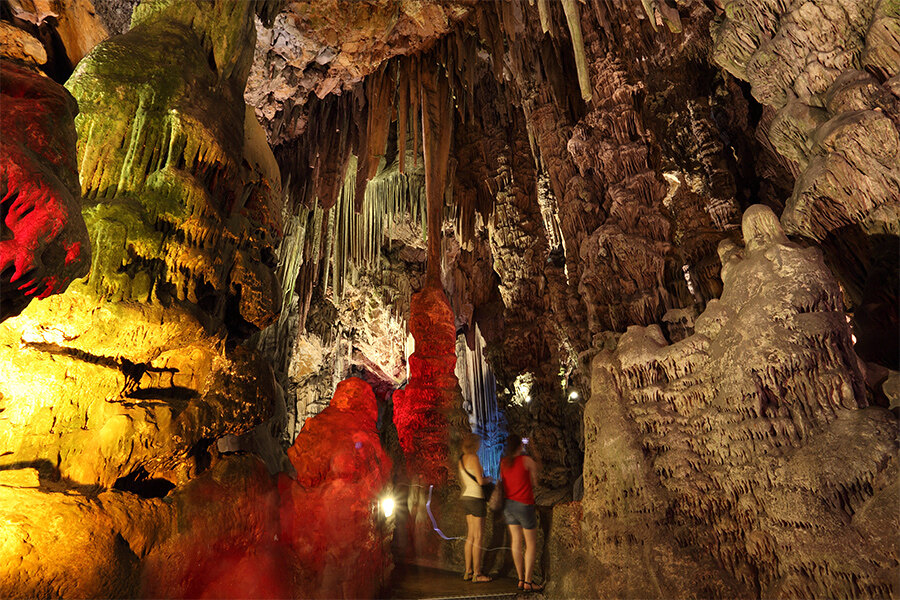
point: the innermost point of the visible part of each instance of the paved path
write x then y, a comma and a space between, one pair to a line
421, 583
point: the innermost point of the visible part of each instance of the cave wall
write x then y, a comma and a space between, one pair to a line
828, 72
136, 369
743, 460
601, 156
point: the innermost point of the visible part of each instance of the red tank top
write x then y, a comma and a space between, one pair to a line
517, 481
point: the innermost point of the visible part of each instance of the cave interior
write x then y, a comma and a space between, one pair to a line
265, 264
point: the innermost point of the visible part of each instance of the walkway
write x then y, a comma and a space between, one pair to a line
421, 583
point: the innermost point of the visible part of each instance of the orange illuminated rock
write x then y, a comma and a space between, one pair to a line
234, 531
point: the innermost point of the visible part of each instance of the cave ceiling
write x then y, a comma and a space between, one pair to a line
641, 129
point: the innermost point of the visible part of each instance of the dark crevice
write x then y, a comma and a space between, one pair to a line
141, 483
133, 371
172, 393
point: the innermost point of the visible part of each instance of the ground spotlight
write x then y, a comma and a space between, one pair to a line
387, 506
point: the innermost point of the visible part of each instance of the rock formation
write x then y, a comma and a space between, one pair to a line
830, 70
234, 293
422, 408
45, 244
234, 531
133, 373
714, 463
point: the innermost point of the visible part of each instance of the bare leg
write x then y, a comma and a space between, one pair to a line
515, 534
530, 552
475, 528
470, 542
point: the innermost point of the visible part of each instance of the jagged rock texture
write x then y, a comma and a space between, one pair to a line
742, 460
318, 48
45, 243
135, 371
830, 71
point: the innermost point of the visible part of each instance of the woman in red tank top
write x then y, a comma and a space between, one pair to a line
518, 474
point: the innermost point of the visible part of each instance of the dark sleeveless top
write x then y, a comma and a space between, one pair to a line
517, 481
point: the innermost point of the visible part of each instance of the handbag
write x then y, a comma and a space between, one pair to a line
487, 489
498, 499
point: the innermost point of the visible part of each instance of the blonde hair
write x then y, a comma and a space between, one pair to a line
470, 443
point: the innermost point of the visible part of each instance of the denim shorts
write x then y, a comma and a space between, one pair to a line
517, 513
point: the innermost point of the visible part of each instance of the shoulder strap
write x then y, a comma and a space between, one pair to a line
466, 470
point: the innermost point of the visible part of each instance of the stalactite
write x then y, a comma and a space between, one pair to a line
358, 236
379, 96
403, 105
544, 12
437, 131
573, 19
479, 389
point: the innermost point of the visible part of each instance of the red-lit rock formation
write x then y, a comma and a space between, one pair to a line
332, 517
45, 243
293, 537
421, 409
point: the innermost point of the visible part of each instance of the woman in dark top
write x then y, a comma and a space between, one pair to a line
519, 475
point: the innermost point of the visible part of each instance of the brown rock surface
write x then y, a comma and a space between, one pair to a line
319, 48
830, 68
699, 461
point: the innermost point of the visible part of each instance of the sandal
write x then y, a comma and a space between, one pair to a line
533, 587
467, 575
480, 578
521, 585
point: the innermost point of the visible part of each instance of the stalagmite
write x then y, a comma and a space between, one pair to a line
426, 410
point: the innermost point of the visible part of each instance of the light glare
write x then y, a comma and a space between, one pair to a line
387, 506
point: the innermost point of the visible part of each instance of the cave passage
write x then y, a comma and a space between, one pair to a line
290, 289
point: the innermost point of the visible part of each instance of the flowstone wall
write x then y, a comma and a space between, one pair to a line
136, 370
233, 532
742, 461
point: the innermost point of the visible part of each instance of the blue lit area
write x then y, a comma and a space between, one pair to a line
479, 389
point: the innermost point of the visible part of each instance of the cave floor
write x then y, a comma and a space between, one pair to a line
419, 583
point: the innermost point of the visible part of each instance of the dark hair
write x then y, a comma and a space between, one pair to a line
513, 443
470, 443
